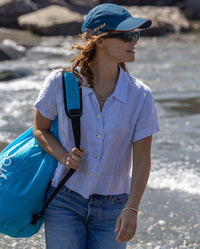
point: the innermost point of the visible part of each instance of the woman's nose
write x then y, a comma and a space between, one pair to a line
133, 41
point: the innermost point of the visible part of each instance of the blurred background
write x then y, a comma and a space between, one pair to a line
34, 39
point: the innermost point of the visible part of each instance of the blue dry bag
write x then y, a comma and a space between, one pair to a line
25, 172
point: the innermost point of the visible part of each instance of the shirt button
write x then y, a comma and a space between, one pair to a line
95, 156
99, 136
90, 174
98, 116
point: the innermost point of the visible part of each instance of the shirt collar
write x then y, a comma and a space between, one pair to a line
121, 89
86, 90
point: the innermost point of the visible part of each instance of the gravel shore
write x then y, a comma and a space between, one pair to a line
167, 220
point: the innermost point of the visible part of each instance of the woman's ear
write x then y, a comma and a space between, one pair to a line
100, 43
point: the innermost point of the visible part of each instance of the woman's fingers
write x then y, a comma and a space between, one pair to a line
127, 227
74, 158
77, 154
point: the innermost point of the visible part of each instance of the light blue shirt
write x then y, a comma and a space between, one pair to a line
128, 115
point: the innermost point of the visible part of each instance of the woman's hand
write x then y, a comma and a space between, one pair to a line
74, 158
126, 226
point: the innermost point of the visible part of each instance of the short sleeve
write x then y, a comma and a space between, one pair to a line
147, 121
46, 102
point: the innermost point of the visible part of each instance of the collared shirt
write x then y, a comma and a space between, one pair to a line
128, 115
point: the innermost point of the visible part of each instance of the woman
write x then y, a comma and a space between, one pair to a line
98, 206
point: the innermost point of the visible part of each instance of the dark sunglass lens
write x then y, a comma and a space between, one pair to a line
127, 36
136, 35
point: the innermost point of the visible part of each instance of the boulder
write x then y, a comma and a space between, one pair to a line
164, 19
51, 21
11, 10
22, 37
10, 52
6, 75
191, 9
130, 2
80, 6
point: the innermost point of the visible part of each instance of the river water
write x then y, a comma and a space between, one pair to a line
171, 67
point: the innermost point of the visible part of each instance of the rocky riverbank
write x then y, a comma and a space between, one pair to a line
59, 17
24, 23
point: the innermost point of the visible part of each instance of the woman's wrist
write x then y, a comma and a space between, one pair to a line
130, 208
64, 159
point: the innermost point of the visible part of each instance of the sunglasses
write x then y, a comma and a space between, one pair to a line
127, 36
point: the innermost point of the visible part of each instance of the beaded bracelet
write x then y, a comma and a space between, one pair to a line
131, 208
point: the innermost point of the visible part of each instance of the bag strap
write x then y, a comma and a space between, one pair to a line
73, 108
73, 103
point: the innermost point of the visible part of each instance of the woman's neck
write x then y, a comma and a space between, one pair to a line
104, 80
104, 75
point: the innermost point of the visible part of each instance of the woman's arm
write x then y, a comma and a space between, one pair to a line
50, 144
127, 221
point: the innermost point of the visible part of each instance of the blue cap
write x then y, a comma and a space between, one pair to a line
112, 17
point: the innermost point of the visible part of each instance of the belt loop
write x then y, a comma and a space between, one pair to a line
68, 190
110, 197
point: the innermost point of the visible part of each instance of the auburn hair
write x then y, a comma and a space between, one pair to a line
85, 55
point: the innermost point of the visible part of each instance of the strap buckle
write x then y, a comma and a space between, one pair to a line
74, 113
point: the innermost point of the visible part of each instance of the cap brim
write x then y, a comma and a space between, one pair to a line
133, 23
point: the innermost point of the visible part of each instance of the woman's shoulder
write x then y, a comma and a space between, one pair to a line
137, 84
53, 79
55, 74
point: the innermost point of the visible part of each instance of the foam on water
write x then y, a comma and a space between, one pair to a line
20, 84
179, 176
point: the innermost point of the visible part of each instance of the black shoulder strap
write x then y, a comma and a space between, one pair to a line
73, 108
73, 103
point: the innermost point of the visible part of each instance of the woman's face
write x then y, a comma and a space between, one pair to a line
118, 50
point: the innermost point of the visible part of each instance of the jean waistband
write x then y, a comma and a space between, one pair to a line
101, 197
95, 196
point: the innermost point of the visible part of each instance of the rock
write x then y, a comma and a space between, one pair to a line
195, 25
10, 53
80, 6
130, 2
191, 9
6, 75
22, 37
11, 10
164, 19
13, 44
51, 21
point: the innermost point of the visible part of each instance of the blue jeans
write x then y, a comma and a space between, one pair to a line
73, 222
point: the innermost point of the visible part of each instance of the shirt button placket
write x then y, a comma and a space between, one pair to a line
99, 135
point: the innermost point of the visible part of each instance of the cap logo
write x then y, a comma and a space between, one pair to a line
100, 27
